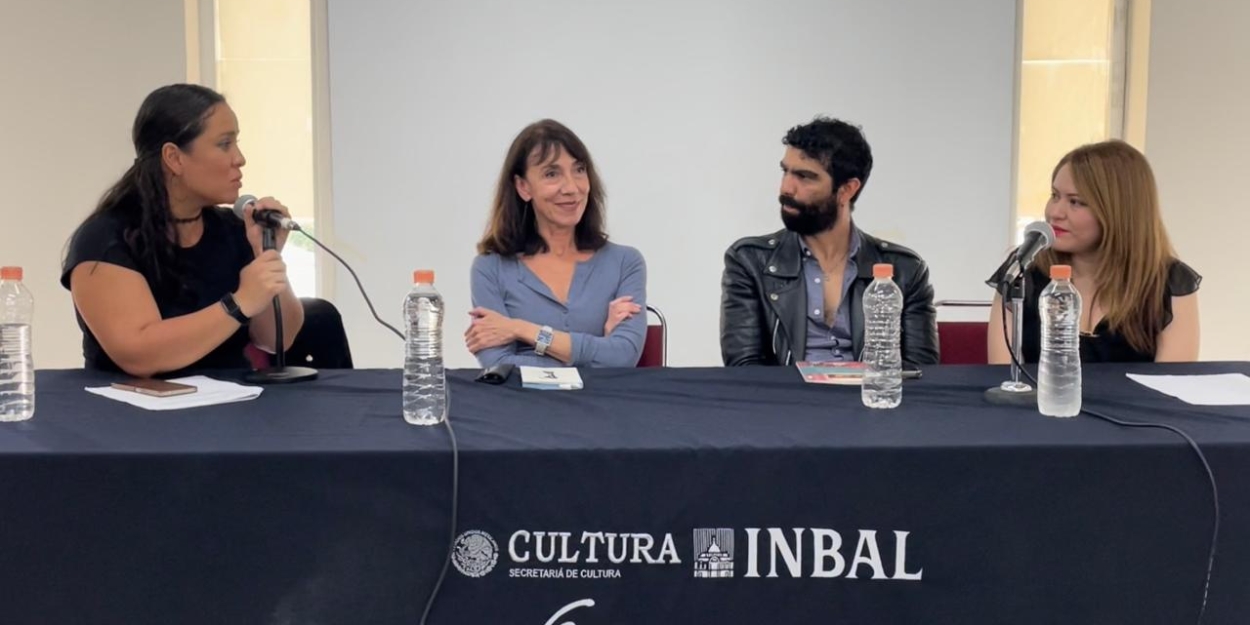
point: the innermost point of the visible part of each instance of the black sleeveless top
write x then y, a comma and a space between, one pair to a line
1103, 345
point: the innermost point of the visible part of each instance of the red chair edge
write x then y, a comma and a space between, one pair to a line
655, 344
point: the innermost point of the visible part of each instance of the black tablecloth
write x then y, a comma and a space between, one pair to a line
316, 503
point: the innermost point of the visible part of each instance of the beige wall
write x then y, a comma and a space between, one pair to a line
264, 53
264, 68
74, 74
1064, 90
1198, 139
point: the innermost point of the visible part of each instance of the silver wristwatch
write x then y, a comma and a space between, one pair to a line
544, 340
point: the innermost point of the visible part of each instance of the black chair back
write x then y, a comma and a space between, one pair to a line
322, 342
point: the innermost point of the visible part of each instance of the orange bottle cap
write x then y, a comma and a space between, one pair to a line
11, 273
883, 270
1061, 272
423, 276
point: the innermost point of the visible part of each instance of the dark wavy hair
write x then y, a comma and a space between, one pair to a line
511, 230
840, 147
172, 114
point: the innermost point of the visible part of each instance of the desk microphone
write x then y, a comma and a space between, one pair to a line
1037, 237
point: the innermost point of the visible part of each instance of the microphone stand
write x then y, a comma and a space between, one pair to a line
279, 373
1013, 392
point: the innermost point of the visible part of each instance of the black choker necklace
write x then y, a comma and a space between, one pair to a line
189, 220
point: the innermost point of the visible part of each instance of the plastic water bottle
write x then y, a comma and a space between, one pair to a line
882, 357
17, 368
1059, 372
425, 385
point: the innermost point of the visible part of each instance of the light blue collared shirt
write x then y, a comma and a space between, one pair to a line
827, 343
506, 286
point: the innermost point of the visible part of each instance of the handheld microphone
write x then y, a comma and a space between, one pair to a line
1037, 237
268, 218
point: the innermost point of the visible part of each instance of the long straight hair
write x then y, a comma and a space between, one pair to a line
140, 199
1134, 254
512, 229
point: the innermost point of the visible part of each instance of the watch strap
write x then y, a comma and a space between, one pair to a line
232, 308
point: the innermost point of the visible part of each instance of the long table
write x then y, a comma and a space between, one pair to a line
650, 496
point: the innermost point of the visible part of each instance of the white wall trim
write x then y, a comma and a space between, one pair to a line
1014, 211
1136, 87
1117, 99
201, 21
191, 30
323, 179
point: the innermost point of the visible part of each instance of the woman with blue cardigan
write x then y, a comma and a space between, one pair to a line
548, 287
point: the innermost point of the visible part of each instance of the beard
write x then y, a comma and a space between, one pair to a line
811, 218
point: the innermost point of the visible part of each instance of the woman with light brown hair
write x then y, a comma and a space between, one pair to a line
1140, 303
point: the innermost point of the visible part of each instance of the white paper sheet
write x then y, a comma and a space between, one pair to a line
1223, 389
209, 392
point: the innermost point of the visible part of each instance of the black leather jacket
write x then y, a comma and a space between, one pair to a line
763, 308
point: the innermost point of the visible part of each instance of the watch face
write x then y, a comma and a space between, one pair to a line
543, 341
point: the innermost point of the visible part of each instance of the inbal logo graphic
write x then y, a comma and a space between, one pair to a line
713, 552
